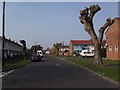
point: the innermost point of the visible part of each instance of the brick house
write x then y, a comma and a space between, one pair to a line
113, 40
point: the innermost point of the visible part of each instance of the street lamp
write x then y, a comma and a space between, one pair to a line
3, 33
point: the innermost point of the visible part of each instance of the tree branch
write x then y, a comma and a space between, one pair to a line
93, 10
88, 24
84, 15
102, 29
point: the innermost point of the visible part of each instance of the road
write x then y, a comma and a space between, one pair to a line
54, 73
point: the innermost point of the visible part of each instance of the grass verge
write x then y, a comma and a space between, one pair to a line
15, 63
110, 68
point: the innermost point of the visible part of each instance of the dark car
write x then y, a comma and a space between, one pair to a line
36, 58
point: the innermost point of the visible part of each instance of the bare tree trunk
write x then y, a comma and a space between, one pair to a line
57, 53
98, 56
25, 54
63, 53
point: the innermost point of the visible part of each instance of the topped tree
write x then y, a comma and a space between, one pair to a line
86, 18
23, 42
57, 46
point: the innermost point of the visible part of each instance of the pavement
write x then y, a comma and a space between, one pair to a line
54, 73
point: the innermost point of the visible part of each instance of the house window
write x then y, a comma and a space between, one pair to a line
110, 48
116, 48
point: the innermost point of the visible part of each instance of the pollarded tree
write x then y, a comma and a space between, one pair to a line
53, 50
86, 18
57, 46
23, 42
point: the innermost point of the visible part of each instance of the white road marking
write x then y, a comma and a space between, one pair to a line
62, 58
5, 73
43, 58
57, 65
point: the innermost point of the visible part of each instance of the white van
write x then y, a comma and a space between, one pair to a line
87, 53
39, 52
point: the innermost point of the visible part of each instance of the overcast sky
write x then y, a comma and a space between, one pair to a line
48, 23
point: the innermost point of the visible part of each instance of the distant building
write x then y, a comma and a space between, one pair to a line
11, 48
64, 50
113, 40
79, 45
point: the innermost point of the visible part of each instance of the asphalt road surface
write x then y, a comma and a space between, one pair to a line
54, 73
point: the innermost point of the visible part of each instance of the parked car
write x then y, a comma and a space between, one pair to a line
36, 58
76, 53
87, 53
47, 52
39, 52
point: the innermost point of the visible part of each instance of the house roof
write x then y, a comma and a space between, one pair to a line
8, 40
85, 42
115, 19
81, 42
65, 46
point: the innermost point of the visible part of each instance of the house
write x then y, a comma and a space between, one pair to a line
11, 48
64, 50
113, 40
79, 45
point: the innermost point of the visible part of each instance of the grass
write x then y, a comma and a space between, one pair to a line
15, 63
110, 68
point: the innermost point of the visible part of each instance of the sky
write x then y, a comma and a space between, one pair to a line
47, 23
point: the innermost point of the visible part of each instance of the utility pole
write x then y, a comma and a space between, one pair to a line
3, 33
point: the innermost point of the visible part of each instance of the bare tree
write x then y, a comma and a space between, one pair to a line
23, 42
86, 18
57, 46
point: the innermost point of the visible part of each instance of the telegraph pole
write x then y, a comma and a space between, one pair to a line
3, 33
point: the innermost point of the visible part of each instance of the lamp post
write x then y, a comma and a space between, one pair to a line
3, 33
